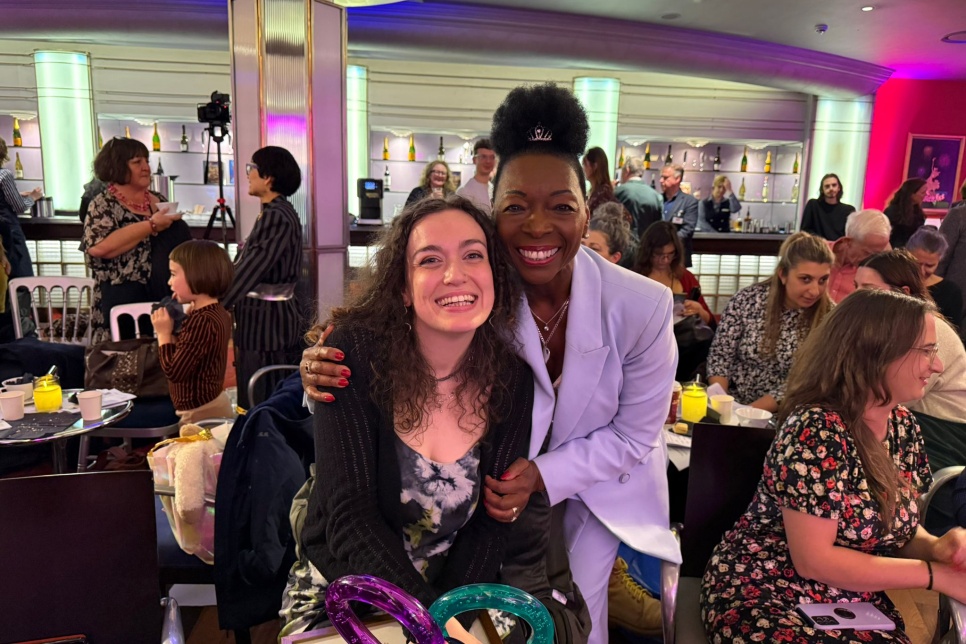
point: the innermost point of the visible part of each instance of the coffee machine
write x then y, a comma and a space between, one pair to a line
370, 201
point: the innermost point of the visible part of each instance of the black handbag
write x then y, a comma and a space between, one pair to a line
131, 366
691, 331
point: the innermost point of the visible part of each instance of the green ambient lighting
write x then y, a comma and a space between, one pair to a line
357, 126
66, 109
601, 99
840, 144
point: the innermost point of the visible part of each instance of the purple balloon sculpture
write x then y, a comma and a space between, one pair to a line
384, 596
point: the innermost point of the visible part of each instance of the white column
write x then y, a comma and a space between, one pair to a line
840, 145
601, 99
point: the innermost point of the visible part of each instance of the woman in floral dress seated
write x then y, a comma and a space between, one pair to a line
439, 401
835, 516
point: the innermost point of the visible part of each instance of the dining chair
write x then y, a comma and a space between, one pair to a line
135, 311
78, 555
952, 614
54, 302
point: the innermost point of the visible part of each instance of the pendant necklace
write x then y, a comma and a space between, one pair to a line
545, 342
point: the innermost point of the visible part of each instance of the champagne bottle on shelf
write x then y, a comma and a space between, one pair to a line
764, 190
653, 186
17, 138
156, 140
385, 148
795, 166
620, 160
795, 191
18, 168
717, 160
386, 180
768, 161
184, 139
669, 158
441, 153
127, 132
741, 190
647, 156
160, 170
744, 161
412, 148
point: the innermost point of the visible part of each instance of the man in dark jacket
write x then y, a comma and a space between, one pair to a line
640, 199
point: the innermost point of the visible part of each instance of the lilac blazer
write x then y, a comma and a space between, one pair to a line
608, 446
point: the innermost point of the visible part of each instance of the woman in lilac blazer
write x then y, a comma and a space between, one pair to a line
600, 342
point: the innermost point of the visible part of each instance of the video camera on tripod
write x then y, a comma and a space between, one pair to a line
217, 114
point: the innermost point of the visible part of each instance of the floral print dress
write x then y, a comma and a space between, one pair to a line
751, 588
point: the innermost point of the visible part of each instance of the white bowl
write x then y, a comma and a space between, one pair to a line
169, 208
752, 417
27, 389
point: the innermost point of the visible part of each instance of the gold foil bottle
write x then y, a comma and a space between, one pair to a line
768, 161
17, 138
412, 148
385, 148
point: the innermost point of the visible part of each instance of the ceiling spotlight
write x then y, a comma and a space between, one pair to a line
670, 16
868, 8
821, 29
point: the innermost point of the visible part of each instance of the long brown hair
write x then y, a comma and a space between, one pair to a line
798, 248
899, 268
655, 237
902, 200
843, 362
403, 381
596, 158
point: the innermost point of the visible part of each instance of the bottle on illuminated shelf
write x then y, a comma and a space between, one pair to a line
746, 223
795, 166
17, 138
764, 190
441, 153
156, 140
18, 168
768, 161
127, 132
647, 156
669, 158
412, 148
653, 186
385, 148
620, 160
741, 190
744, 161
160, 170
795, 191
717, 160
184, 139
386, 180
685, 161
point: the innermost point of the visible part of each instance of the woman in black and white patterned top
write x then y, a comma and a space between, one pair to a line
764, 324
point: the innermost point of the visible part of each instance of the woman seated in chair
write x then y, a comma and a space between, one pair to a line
764, 324
941, 412
835, 516
439, 401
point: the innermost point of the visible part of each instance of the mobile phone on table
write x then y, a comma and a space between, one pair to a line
857, 616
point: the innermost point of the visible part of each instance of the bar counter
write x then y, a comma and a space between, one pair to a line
66, 225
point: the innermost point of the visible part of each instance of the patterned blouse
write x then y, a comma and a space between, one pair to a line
751, 588
736, 348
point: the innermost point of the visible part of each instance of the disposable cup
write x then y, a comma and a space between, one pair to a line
11, 405
724, 405
90, 404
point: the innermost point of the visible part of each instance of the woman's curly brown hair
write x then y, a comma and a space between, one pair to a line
403, 381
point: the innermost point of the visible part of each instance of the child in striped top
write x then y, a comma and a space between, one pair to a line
195, 361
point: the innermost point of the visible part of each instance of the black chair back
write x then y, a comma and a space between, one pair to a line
726, 466
78, 555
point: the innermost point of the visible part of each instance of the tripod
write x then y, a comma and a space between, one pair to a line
217, 133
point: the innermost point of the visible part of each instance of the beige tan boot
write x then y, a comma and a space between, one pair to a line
629, 605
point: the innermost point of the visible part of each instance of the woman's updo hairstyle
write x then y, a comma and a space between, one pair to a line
540, 119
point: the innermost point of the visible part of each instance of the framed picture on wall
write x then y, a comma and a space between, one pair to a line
937, 160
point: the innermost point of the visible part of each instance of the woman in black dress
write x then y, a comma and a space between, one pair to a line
835, 517
267, 320
905, 211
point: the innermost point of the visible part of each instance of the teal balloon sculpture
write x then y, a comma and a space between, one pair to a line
383, 595
505, 598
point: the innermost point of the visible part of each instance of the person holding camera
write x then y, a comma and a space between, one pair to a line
126, 239
268, 265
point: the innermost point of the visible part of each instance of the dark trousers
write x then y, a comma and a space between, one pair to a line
247, 362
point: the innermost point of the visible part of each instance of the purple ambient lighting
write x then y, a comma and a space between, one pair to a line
955, 38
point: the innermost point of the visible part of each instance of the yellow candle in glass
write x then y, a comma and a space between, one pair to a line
48, 395
694, 403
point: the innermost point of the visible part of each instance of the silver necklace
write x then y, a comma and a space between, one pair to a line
545, 342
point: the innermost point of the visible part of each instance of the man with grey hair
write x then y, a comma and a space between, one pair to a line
866, 233
640, 199
680, 209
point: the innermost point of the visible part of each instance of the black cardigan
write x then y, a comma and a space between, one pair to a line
353, 525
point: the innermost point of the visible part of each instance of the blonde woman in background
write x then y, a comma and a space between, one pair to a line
436, 182
715, 212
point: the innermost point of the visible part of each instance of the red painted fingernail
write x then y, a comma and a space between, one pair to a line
503, 476
328, 397
343, 382
339, 355
346, 373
